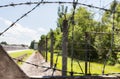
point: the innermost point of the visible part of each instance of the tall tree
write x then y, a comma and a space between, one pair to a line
4, 42
32, 44
41, 45
111, 20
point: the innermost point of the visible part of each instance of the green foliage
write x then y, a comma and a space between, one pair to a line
57, 38
84, 23
101, 45
32, 44
108, 19
41, 44
4, 42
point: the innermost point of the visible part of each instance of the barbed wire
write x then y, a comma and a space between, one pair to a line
38, 3
44, 2
55, 2
21, 17
44, 66
54, 69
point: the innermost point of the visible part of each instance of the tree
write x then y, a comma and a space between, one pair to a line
4, 42
32, 44
99, 44
41, 44
111, 20
84, 22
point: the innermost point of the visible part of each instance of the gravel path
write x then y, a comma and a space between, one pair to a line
32, 71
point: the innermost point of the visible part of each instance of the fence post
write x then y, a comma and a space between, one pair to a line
86, 53
46, 56
51, 48
64, 47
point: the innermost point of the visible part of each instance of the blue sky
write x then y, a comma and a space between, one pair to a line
37, 22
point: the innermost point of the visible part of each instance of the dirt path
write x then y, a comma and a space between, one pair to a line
32, 71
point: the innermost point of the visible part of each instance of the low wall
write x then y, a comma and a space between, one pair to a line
82, 77
8, 68
14, 47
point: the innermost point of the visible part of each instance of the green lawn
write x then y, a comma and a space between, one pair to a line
96, 68
17, 54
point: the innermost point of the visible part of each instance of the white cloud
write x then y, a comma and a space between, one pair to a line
20, 34
42, 29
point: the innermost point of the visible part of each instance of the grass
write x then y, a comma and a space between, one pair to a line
96, 68
19, 53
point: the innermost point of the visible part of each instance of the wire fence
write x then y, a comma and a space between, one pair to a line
47, 68
20, 18
45, 2
50, 2
55, 2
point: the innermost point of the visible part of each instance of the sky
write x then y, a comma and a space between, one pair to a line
38, 22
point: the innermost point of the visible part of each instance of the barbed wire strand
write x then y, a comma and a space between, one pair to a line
44, 2
44, 66
21, 18
55, 2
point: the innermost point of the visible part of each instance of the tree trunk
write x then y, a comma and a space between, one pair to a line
64, 47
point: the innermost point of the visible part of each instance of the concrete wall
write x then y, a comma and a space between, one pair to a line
14, 47
81, 77
8, 68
